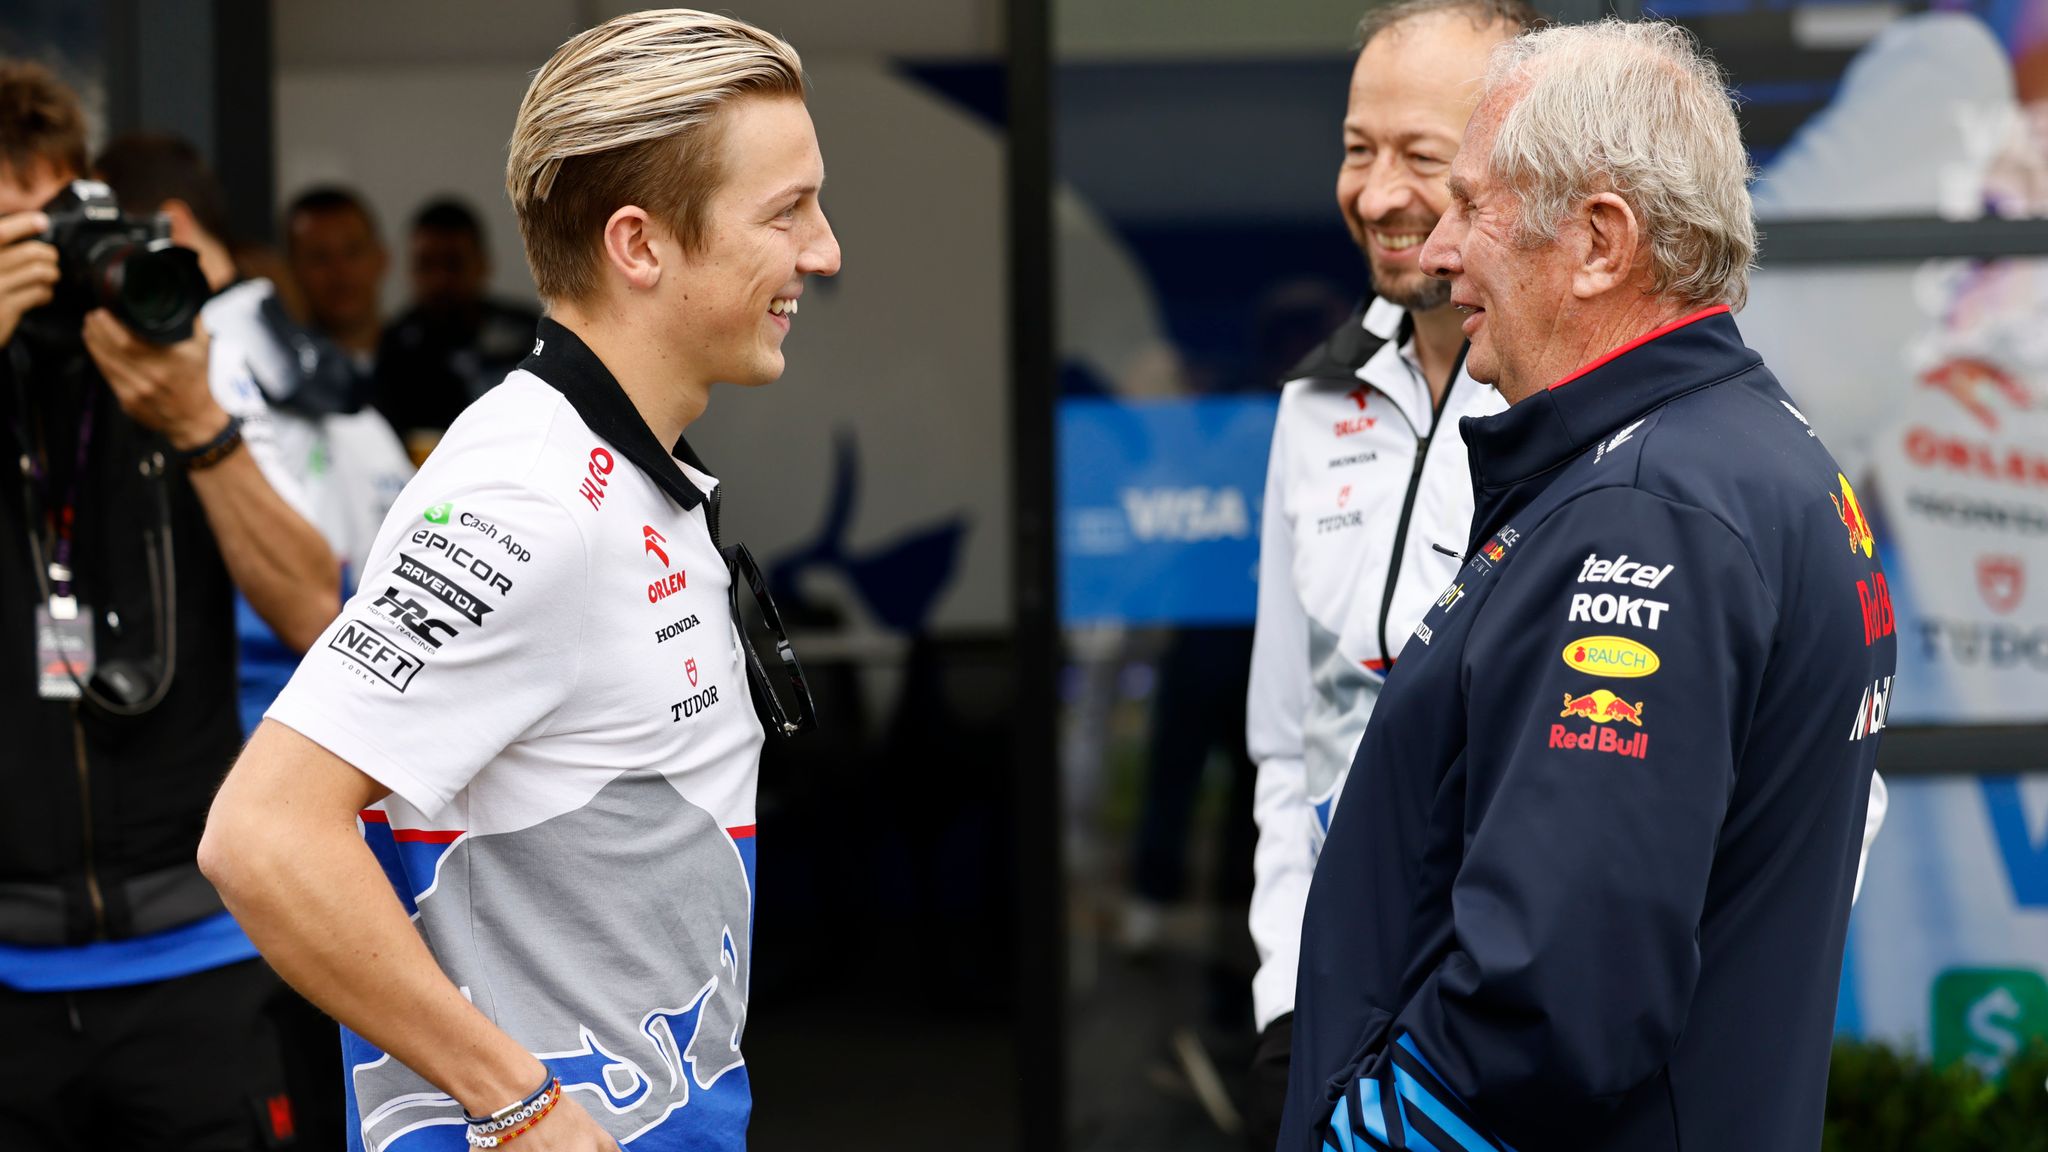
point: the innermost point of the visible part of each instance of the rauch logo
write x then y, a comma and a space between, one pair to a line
1616, 656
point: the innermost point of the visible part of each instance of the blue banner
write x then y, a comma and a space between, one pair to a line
1159, 508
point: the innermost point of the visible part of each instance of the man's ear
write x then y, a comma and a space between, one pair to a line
633, 247
1613, 240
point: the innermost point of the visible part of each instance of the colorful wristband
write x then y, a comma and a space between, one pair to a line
514, 1119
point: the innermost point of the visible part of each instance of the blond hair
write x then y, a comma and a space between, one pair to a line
1637, 109
627, 113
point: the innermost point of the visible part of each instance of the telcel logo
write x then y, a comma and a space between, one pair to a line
1622, 570
1616, 656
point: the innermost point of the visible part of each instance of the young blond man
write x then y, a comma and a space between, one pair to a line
538, 701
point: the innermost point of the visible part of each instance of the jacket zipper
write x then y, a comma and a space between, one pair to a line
92, 876
1422, 444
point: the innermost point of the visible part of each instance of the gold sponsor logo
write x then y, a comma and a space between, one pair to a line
1615, 656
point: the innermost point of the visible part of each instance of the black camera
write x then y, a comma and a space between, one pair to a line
125, 264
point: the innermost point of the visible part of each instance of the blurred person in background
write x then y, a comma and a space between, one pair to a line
454, 343
534, 722
1368, 495
133, 1008
1590, 884
302, 402
338, 259
297, 394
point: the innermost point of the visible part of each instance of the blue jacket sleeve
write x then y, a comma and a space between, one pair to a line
1609, 681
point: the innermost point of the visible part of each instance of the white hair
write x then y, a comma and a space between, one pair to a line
1638, 109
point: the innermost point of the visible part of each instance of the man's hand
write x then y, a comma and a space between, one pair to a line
28, 268
164, 389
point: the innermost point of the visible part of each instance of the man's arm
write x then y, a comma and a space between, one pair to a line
1277, 699
280, 562
283, 849
1593, 806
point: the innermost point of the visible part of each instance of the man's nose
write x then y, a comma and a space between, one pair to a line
821, 255
1439, 256
1383, 194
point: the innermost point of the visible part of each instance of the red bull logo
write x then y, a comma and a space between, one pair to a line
1494, 551
1851, 512
1636, 747
1602, 707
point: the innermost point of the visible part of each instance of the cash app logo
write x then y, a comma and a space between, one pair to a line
1984, 1016
438, 513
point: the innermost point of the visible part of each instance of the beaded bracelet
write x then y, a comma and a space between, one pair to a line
514, 1119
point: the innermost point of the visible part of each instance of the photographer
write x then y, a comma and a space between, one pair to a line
130, 1000
303, 402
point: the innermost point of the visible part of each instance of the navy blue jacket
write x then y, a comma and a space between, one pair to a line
1588, 884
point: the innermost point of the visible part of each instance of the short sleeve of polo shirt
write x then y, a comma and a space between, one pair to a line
462, 638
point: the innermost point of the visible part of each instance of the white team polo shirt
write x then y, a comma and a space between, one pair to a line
541, 664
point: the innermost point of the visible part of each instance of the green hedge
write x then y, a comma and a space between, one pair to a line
1883, 1100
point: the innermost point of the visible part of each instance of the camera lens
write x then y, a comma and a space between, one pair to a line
155, 292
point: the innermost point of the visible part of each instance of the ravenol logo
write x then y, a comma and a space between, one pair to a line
1616, 656
1984, 1016
438, 513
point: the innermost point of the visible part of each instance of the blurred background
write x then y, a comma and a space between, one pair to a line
1008, 492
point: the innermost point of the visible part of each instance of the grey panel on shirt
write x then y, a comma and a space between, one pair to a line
595, 939
1337, 712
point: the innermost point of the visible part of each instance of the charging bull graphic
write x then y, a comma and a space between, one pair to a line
1603, 707
654, 1056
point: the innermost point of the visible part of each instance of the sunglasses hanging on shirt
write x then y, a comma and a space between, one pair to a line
788, 716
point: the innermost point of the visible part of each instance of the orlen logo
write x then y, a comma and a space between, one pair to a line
1616, 656
666, 587
1876, 598
1187, 515
1968, 381
1851, 513
1603, 707
600, 475
2000, 462
652, 542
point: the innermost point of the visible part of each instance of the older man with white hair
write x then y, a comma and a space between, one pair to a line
1589, 885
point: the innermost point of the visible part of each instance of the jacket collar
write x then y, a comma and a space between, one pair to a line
1556, 424
568, 365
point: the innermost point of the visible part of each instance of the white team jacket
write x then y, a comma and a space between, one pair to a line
1368, 502
340, 471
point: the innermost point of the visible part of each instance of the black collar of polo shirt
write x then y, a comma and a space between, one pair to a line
1543, 431
568, 365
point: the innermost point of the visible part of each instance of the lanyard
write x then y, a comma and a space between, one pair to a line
63, 605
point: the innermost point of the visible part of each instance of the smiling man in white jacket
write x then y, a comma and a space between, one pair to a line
1368, 497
